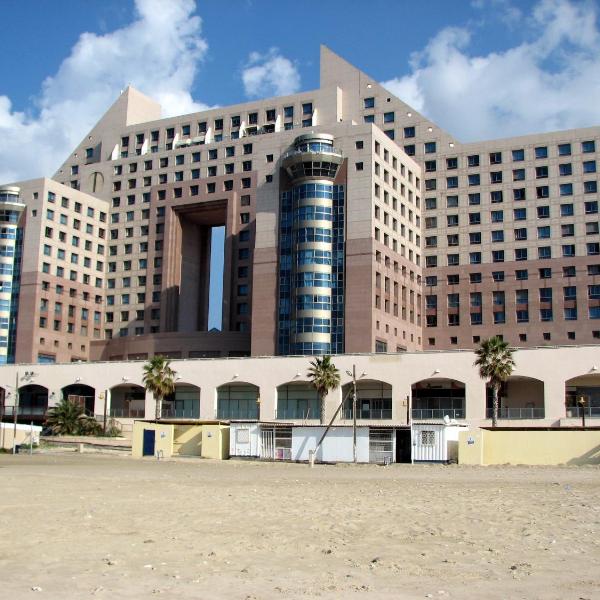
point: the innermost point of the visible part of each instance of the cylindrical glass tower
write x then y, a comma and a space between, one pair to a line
312, 166
11, 208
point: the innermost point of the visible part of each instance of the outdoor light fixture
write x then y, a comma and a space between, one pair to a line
363, 374
436, 371
235, 376
594, 368
125, 378
178, 378
298, 374
77, 379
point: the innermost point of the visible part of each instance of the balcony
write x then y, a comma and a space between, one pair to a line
26, 411
518, 413
180, 413
423, 414
241, 414
296, 415
374, 414
127, 413
590, 412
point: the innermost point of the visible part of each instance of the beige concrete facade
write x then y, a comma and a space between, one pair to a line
444, 243
536, 393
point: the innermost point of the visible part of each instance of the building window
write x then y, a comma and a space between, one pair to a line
588, 146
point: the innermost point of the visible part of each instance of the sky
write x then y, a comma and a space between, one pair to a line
481, 69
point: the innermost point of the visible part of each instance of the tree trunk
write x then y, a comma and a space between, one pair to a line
322, 415
494, 405
158, 411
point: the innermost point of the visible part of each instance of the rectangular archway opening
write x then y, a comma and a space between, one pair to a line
200, 285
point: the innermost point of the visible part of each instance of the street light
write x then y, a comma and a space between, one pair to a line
27, 376
353, 375
582, 402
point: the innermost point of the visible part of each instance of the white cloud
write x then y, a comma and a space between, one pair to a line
157, 53
550, 81
270, 74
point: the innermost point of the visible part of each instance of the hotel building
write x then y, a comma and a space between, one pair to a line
352, 224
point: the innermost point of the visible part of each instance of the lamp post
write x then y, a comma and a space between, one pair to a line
28, 376
581, 401
353, 375
15, 411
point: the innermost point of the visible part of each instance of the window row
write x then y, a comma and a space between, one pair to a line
77, 206
519, 275
499, 317
518, 214
520, 254
564, 189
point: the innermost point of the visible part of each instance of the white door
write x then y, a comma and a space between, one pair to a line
266, 444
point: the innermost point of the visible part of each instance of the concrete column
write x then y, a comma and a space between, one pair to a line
208, 402
268, 403
554, 398
332, 401
149, 406
99, 402
400, 393
475, 400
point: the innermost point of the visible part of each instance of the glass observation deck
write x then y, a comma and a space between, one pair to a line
313, 157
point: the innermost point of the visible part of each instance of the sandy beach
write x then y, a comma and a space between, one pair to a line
77, 526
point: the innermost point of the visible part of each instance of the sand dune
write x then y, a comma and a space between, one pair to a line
111, 527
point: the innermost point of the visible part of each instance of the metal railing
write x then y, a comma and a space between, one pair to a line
189, 413
25, 411
127, 413
249, 415
579, 411
295, 415
330, 150
372, 413
518, 413
419, 414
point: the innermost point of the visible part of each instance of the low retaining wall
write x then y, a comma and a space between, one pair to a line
87, 439
530, 446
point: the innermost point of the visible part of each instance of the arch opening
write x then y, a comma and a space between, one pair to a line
33, 403
81, 394
586, 387
373, 400
183, 403
128, 401
238, 401
437, 398
297, 400
519, 398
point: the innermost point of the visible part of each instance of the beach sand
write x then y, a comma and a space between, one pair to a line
77, 526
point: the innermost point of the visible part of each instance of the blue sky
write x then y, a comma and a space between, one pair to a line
383, 50
479, 68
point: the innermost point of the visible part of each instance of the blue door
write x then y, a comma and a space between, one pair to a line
148, 448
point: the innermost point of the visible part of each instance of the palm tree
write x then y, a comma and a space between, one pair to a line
495, 362
159, 379
325, 377
69, 418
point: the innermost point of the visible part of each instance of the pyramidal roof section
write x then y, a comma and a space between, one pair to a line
130, 108
356, 85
